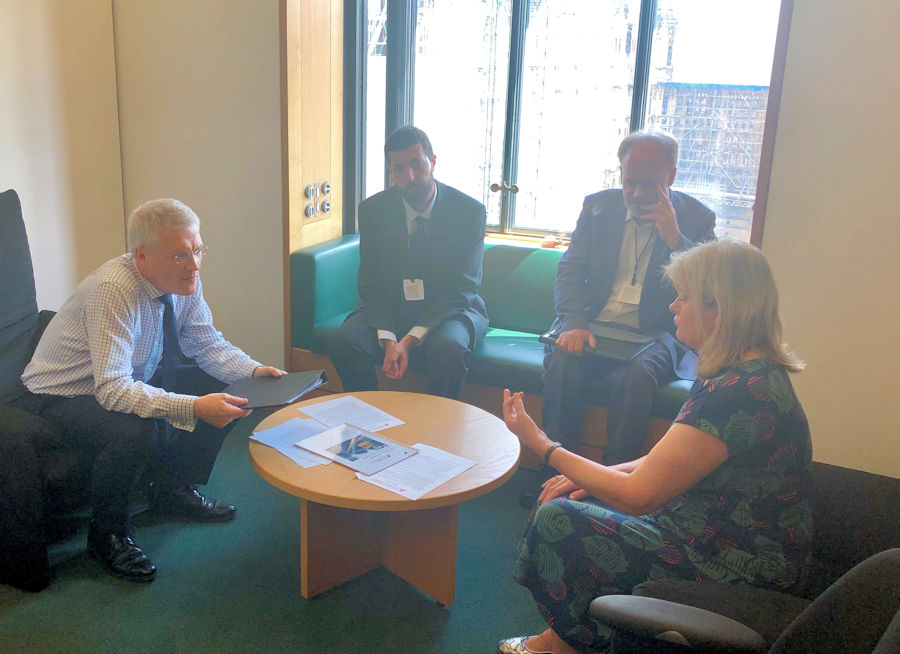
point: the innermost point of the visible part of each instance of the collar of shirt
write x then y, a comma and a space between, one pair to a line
634, 221
412, 214
643, 233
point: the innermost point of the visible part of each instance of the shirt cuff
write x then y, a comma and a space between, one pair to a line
385, 335
252, 366
181, 411
418, 332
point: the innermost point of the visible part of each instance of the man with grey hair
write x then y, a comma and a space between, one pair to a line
612, 272
107, 372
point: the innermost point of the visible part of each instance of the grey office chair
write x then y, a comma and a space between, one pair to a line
860, 612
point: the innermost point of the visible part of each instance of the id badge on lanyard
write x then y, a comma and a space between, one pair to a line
413, 289
630, 293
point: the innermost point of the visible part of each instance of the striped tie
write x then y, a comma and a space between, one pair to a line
171, 351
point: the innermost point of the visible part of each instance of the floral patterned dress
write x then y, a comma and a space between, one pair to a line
747, 521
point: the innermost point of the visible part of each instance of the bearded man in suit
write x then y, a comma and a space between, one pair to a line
421, 245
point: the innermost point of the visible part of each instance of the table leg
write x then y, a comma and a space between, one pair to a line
337, 545
420, 547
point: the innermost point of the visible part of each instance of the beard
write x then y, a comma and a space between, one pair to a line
417, 193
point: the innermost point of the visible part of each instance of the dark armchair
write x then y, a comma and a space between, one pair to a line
849, 601
39, 476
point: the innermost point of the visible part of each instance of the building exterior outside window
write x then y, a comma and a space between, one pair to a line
570, 69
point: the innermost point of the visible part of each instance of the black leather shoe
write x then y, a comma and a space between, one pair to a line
117, 552
187, 502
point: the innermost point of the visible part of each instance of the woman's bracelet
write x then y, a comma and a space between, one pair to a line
550, 450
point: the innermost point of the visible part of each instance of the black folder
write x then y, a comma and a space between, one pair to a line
276, 391
614, 341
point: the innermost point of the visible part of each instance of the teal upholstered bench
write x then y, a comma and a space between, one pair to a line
517, 288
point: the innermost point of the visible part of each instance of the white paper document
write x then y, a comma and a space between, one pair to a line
357, 448
284, 436
351, 410
420, 474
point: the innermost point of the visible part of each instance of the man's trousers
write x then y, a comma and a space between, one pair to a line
627, 390
443, 355
124, 445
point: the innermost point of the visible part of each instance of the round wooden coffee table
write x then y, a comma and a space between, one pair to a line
349, 527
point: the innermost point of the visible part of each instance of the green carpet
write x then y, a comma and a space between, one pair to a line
236, 587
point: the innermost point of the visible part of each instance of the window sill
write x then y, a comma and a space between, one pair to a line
521, 240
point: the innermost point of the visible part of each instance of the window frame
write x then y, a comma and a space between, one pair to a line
400, 92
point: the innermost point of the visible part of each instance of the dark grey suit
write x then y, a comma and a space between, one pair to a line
452, 310
584, 282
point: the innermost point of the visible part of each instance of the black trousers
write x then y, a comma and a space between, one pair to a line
627, 390
443, 355
124, 445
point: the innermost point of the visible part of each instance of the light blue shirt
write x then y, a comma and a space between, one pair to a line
107, 341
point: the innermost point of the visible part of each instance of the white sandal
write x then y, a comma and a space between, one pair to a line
516, 646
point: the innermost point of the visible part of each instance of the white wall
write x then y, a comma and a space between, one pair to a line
832, 230
200, 111
59, 138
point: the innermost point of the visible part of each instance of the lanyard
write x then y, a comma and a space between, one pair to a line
638, 257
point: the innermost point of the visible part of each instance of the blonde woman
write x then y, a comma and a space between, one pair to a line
722, 496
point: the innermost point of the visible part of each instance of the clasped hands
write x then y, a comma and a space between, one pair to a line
396, 356
218, 409
522, 425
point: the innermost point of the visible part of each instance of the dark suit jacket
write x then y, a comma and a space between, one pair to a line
587, 270
452, 268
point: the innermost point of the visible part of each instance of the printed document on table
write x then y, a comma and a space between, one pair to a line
420, 474
284, 436
353, 411
356, 448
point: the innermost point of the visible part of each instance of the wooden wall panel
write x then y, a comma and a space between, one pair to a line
314, 103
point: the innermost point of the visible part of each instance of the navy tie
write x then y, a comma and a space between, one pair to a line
171, 351
417, 247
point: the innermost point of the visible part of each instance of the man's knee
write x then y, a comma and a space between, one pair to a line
339, 343
130, 431
124, 437
561, 369
638, 375
447, 353
344, 342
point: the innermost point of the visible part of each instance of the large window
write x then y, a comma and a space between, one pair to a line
375, 82
533, 96
461, 76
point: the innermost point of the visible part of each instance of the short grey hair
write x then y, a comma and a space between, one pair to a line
666, 143
150, 218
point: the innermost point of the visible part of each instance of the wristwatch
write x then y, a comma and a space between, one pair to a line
550, 450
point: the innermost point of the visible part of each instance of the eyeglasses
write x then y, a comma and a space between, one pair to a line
181, 258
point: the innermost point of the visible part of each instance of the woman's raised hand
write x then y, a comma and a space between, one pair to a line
520, 423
